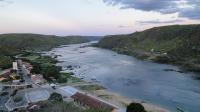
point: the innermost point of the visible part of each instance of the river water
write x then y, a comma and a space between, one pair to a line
131, 77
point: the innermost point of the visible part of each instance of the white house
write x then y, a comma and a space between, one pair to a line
15, 66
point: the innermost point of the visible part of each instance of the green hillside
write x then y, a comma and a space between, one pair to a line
36, 41
12, 44
177, 44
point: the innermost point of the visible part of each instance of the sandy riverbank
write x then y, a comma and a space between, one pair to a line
114, 98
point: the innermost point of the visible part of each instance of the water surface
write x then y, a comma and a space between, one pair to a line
133, 78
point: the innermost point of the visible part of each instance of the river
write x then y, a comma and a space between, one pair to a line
133, 78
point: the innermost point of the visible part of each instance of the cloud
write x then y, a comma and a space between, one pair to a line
192, 12
4, 3
185, 8
124, 26
160, 22
164, 6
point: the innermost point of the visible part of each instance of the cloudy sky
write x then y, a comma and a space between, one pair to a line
94, 17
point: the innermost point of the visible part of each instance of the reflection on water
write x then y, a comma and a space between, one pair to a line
155, 83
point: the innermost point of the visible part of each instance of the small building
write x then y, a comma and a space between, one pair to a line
2, 79
28, 66
15, 67
37, 79
92, 102
6, 73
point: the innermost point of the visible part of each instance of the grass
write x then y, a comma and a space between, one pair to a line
32, 57
63, 77
104, 96
74, 79
90, 87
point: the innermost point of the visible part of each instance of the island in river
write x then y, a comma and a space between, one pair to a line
123, 75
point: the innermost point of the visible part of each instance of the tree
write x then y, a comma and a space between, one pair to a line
51, 71
5, 62
135, 107
36, 68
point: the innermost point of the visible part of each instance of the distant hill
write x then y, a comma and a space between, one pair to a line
93, 38
12, 44
36, 41
177, 44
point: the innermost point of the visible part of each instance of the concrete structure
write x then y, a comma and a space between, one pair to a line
15, 67
28, 65
25, 69
68, 90
11, 105
37, 95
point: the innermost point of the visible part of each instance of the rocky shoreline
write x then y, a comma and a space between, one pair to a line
185, 66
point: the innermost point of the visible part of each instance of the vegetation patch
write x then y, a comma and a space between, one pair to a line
4, 94
135, 107
17, 99
5, 62
48, 106
176, 44
56, 97
91, 87
14, 92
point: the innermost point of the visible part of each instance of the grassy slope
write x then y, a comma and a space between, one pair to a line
180, 42
36, 41
12, 44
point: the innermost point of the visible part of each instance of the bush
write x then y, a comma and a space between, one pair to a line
51, 71
62, 80
5, 62
36, 68
7, 80
135, 107
56, 97
14, 92
17, 99
4, 93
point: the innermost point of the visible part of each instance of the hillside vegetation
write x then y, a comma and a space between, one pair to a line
177, 44
36, 41
12, 44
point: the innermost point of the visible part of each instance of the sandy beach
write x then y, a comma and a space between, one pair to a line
111, 97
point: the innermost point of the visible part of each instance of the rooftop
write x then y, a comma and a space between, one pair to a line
69, 90
91, 101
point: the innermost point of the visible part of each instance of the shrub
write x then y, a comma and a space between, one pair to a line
17, 99
135, 107
56, 97
62, 80
14, 92
4, 93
